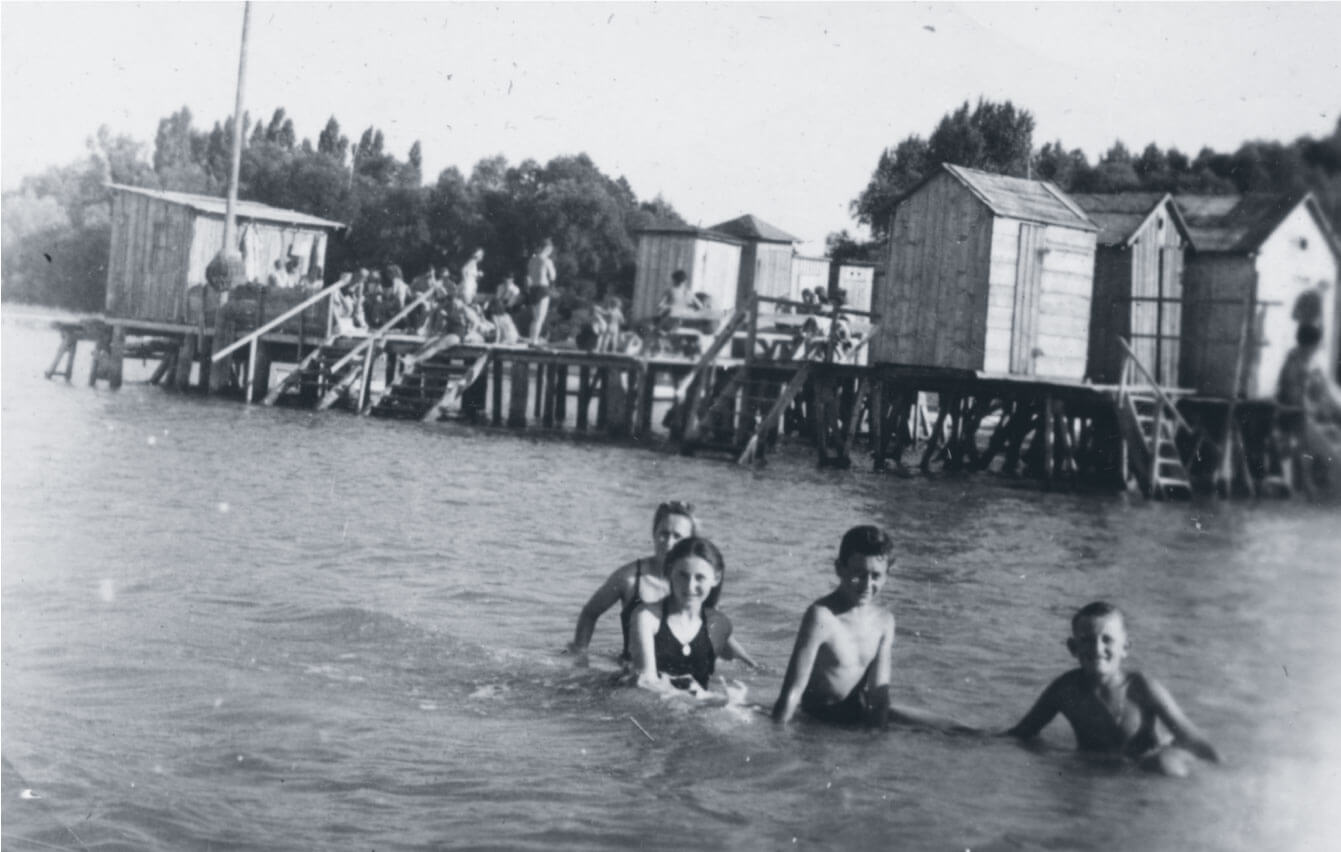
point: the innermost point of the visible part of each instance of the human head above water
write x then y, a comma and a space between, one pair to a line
672, 522
865, 540
1097, 609
1098, 639
701, 548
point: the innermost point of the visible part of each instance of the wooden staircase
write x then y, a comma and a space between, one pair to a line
430, 382
1150, 424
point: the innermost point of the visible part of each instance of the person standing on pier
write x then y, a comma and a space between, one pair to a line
470, 277
540, 277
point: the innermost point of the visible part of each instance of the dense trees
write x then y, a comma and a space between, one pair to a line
56, 230
998, 138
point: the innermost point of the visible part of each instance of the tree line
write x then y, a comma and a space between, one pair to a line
57, 224
998, 137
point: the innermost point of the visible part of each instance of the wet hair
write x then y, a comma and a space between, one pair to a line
679, 276
865, 540
1097, 609
675, 507
694, 546
1308, 335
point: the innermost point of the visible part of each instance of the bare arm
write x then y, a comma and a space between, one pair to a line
1038, 717
808, 642
733, 651
642, 646
1185, 734
611, 592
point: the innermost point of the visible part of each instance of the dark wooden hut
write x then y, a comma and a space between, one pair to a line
765, 257
988, 273
1138, 282
1255, 256
162, 241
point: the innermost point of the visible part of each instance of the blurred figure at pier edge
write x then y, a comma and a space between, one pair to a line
540, 277
470, 277
346, 308
1309, 415
807, 302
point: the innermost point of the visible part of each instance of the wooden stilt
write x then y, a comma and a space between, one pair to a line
520, 389
496, 392
186, 356
615, 401
547, 407
561, 394
583, 396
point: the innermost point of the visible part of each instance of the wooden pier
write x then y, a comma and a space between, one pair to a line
751, 387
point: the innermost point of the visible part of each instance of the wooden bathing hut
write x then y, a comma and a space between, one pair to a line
856, 279
162, 241
808, 273
987, 273
711, 259
1255, 256
765, 257
1138, 283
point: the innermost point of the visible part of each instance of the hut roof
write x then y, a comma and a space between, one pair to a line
754, 229
689, 231
1017, 198
1241, 223
218, 207
1120, 215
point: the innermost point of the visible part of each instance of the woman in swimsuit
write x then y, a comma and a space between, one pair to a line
644, 580
675, 640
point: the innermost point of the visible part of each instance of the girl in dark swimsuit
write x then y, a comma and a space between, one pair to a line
675, 642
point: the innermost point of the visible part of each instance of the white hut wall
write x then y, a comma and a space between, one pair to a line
934, 305
715, 271
659, 255
856, 282
147, 259
1294, 260
1063, 326
772, 275
1216, 289
807, 274
1110, 312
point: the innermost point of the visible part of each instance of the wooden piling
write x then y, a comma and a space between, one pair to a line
520, 388
583, 396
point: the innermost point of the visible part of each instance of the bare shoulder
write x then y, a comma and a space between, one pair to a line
1144, 689
1067, 684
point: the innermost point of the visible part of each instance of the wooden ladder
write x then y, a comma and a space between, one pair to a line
780, 404
1150, 425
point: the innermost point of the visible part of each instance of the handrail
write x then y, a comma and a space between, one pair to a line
296, 309
382, 330
841, 309
1159, 392
724, 335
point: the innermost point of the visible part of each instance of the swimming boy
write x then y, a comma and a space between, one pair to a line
839, 670
1111, 709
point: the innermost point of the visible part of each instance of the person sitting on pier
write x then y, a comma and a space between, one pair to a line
346, 310
675, 642
644, 580
839, 670
1111, 709
677, 297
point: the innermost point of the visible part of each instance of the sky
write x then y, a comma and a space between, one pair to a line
775, 109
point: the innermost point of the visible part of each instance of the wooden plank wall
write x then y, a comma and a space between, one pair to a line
715, 271
773, 270
1215, 287
856, 281
1003, 263
1064, 302
1110, 313
658, 256
807, 274
1024, 342
147, 258
749, 269
935, 302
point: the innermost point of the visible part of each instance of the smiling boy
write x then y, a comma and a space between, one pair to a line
839, 670
1111, 709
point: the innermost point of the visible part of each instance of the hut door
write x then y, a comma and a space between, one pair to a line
1028, 280
1170, 315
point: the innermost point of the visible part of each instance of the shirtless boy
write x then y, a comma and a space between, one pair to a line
1113, 710
839, 670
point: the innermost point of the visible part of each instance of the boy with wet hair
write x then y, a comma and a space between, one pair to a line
839, 669
1111, 709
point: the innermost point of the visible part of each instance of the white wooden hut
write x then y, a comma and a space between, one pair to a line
987, 273
162, 241
808, 273
856, 280
1255, 255
765, 257
710, 259
1138, 282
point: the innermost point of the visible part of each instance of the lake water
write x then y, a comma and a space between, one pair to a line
231, 627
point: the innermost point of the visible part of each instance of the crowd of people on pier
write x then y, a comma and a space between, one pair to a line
839, 672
